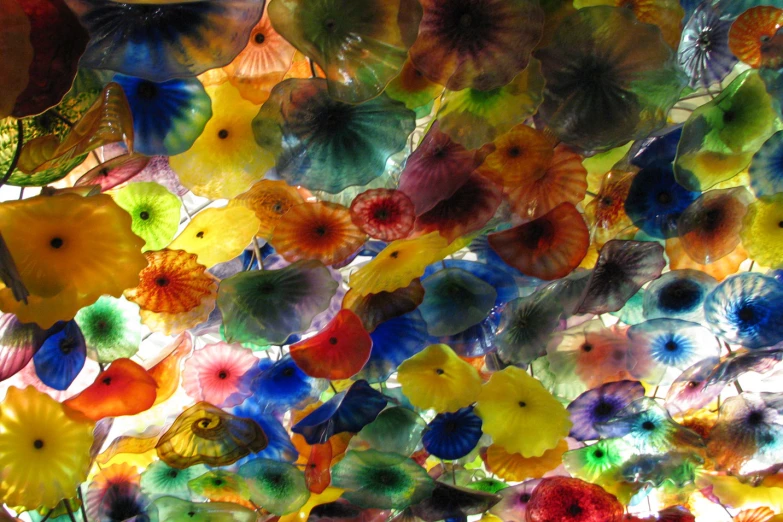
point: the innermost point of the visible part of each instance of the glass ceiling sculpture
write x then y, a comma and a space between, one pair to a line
391, 260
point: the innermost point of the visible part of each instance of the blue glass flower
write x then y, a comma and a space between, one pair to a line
454, 300
657, 152
648, 428
479, 339
285, 386
601, 405
746, 309
160, 41
704, 52
62, 355
766, 169
678, 294
167, 116
279, 446
663, 348
451, 436
393, 341
655, 201
349, 410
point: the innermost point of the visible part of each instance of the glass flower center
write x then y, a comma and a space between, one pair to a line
146, 90
38, 444
599, 454
259, 38
56, 242
106, 381
333, 340
648, 425
222, 134
603, 408
664, 198
439, 371
587, 347
162, 281
679, 295
574, 509
200, 234
522, 404
222, 375
755, 418
670, 346
144, 215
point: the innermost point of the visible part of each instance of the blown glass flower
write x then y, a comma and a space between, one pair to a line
278, 486
663, 348
520, 415
217, 374
262, 63
745, 309
483, 45
513, 466
319, 230
474, 117
204, 434
44, 452
710, 227
61, 356
159, 479
224, 161
360, 47
270, 305
437, 378
167, 116
174, 292
270, 200
761, 231
324, 144
525, 326
752, 36
206, 235
384, 480
69, 251
704, 51
572, 500
453, 435
678, 294
605, 82
720, 137
393, 342
600, 405
163, 41
549, 247
384, 214
454, 300
766, 169
154, 212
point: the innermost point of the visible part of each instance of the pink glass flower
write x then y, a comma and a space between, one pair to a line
216, 374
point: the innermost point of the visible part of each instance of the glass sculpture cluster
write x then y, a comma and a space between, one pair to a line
391, 260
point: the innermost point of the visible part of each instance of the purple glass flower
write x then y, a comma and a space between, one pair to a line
600, 405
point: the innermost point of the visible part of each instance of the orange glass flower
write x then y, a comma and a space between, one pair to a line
754, 39
564, 181
520, 154
124, 389
262, 63
174, 292
69, 251
549, 247
320, 230
339, 351
270, 200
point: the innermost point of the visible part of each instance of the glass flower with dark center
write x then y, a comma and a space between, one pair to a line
609, 79
600, 405
481, 45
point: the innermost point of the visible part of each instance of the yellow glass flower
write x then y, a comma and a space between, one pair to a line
217, 235
270, 200
520, 415
69, 251
762, 231
436, 378
513, 466
398, 264
44, 453
225, 160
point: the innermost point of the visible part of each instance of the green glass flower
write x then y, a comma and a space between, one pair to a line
111, 328
360, 46
395, 430
374, 479
721, 137
160, 479
154, 212
325, 144
278, 487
